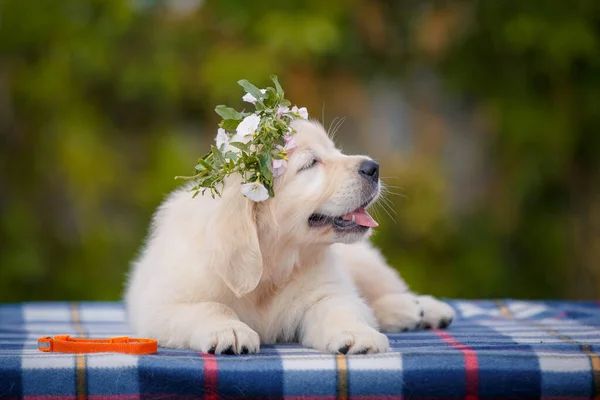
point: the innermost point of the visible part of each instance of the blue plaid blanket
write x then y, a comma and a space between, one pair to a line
494, 350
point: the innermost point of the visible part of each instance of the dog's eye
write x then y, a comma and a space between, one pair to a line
308, 165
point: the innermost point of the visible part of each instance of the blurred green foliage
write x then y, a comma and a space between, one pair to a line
103, 102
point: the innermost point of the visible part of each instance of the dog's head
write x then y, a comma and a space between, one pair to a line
321, 199
322, 196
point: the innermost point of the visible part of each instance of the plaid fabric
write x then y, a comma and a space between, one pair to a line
494, 350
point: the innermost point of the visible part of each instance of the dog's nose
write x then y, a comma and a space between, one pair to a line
369, 170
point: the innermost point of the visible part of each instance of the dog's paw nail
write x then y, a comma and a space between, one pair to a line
211, 350
228, 351
344, 349
404, 330
244, 350
422, 313
426, 326
363, 351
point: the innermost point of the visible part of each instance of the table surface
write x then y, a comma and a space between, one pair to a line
494, 349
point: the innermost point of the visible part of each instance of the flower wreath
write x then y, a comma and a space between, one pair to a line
253, 144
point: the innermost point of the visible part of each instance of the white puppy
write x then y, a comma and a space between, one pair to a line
224, 275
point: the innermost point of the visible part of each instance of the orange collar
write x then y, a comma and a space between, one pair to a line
122, 344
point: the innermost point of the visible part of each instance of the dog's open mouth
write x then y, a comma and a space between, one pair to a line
357, 220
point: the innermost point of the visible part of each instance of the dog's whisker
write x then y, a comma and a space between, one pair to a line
330, 126
393, 186
385, 190
376, 212
399, 195
335, 125
389, 209
386, 203
333, 121
395, 194
338, 126
383, 207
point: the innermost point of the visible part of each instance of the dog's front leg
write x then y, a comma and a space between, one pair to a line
342, 324
208, 327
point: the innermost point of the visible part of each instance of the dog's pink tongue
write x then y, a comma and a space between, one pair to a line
361, 217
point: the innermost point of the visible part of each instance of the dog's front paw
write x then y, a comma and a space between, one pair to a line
398, 312
437, 314
361, 340
228, 337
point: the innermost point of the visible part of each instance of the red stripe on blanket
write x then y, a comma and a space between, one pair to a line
471, 364
211, 375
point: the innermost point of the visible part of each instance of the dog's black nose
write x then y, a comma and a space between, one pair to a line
369, 170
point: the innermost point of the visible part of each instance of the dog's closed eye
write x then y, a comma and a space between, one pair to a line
311, 163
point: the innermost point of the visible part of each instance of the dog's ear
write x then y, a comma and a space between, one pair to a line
233, 247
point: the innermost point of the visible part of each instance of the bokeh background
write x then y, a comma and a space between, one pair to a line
484, 116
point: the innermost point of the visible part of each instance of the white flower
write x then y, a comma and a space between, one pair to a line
251, 99
240, 138
283, 110
290, 143
248, 126
255, 191
279, 167
222, 139
302, 111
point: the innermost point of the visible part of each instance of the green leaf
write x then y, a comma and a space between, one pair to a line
217, 156
285, 102
241, 146
228, 112
270, 190
230, 155
202, 163
270, 97
250, 88
265, 166
277, 86
268, 184
230, 124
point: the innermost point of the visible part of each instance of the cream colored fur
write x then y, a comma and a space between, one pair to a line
225, 275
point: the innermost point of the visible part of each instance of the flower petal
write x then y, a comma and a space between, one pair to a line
279, 163
290, 143
279, 167
283, 110
251, 99
240, 138
222, 138
303, 112
278, 172
255, 191
248, 126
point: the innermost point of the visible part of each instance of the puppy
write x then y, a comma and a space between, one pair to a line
224, 275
